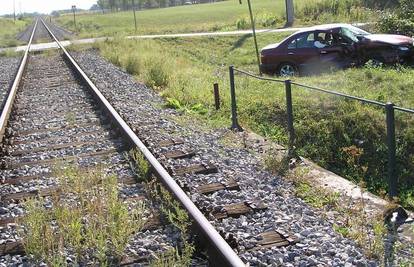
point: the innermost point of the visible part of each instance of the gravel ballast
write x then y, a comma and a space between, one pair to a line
318, 243
8, 68
52, 108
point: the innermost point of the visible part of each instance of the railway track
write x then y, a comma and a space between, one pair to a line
59, 115
55, 115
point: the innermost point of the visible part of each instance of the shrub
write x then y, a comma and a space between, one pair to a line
157, 75
242, 24
133, 65
400, 21
115, 59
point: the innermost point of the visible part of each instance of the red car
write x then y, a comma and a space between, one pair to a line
333, 45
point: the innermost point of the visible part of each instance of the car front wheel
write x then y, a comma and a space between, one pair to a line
287, 70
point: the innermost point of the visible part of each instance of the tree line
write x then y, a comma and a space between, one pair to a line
117, 5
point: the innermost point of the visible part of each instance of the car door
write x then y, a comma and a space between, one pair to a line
301, 50
331, 52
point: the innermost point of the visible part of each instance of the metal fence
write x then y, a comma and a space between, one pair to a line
389, 108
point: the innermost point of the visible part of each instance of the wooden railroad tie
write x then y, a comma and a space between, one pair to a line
274, 239
51, 147
170, 142
230, 184
17, 197
48, 162
193, 169
45, 139
178, 154
237, 209
12, 248
56, 129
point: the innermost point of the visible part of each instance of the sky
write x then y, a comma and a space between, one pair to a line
42, 6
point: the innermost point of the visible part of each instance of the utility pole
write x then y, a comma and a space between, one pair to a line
14, 10
135, 17
74, 15
290, 13
254, 34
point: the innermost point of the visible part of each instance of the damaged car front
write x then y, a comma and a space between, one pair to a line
388, 48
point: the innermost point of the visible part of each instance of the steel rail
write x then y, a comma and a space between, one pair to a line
225, 251
5, 113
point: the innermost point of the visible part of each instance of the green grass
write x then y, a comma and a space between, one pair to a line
343, 136
9, 29
95, 224
219, 16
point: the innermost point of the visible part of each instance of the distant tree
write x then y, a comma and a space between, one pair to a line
55, 13
102, 4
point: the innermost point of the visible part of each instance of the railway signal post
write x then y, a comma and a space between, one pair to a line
74, 15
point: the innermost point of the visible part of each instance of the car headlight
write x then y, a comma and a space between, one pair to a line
403, 48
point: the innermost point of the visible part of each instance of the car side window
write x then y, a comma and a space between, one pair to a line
304, 40
292, 44
325, 39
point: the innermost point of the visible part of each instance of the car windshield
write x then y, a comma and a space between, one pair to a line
353, 32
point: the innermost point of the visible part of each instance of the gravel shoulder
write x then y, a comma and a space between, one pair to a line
8, 68
318, 243
41, 34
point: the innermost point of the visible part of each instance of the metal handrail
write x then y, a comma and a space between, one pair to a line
388, 107
258, 77
369, 101
364, 100
5, 113
226, 252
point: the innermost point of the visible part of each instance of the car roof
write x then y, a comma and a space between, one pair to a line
325, 27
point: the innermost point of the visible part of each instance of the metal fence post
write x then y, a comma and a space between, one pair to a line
234, 123
289, 110
392, 178
216, 96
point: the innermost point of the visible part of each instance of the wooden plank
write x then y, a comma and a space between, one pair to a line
11, 248
170, 142
60, 112
230, 184
135, 261
34, 193
55, 129
178, 154
237, 209
194, 169
73, 135
14, 165
273, 239
51, 147
24, 179
8, 220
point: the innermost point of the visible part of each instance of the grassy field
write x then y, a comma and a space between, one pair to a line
219, 16
343, 136
9, 29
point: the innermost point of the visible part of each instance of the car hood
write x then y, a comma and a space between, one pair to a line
271, 46
390, 39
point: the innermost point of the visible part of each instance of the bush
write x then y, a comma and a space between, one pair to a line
242, 24
157, 75
115, 59
400, 21
133, 65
